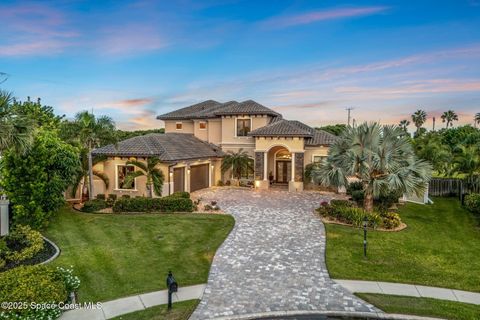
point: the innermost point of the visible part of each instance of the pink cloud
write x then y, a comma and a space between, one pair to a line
321, 15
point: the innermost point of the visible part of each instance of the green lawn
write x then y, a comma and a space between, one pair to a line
440, 247
423, 306
121, 255
180, 311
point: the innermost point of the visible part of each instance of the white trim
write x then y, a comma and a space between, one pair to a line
179, 122
292, 169
116, 178
265, 166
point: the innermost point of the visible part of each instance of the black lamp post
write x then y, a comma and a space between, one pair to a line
365, 223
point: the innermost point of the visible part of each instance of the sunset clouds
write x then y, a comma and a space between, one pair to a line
308, 60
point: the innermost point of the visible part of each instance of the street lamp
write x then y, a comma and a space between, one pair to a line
365, 223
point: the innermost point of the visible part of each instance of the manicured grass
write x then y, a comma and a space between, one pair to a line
180, 311
440, 247
423, 306
121, 255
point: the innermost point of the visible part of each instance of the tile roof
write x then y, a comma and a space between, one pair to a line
293, 128
213, 109
167, 147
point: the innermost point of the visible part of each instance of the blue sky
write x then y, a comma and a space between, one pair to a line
309, 60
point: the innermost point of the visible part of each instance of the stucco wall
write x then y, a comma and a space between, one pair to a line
314, 151
171, 126
215, 131
292, 144
201, 134
109, 168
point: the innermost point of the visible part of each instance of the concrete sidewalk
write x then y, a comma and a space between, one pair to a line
115, 308
410, 290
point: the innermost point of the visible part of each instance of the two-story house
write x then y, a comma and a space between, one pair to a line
197, 137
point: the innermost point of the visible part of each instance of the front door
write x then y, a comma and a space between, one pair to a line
284, 170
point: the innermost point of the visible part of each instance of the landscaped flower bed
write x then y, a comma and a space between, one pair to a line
345, 212
24, 246
25, 287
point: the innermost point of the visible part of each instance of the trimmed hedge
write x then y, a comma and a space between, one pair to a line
38, 284
180, 194
472, 202
165, 204
94, 205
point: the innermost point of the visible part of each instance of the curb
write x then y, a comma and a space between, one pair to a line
57, 251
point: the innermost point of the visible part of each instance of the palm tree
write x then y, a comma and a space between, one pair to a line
476, 119
16, 131
419, 117
404, 125
82, 177
89, 132
382, 158
467, 160
448, 117
154, 175
239, 162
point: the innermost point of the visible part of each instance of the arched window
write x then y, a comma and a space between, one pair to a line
283, 155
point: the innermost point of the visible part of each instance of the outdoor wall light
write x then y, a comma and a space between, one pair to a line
188, 171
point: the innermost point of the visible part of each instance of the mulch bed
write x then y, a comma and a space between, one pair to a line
47, 252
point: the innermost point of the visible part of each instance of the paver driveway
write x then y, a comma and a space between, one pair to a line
274, 258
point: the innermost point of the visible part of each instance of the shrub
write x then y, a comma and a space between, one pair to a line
350, 215
111, 199
384, 202
35, 182
358, 196
472, 202
101, 196
94, 205
22, 243
344, 211
220, 183
180, 194
165, 204
390, 220
127, 196
337, 202
39, 284
354, 186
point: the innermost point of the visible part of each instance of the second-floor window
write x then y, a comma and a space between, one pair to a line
243, 127
202, 125
178, 126
318, 159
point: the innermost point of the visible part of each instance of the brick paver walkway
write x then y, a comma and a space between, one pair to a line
274, 259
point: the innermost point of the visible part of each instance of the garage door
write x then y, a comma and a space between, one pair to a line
178, 179
198, 177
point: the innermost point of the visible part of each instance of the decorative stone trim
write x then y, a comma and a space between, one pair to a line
259, 165
299, 161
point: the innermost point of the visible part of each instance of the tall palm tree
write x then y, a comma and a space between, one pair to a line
448, 117
16, 130
419, 117
155, 177
89, 132
239, 162
476, 119
382, 158
404, 125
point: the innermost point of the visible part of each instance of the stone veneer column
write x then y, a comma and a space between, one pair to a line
296, 183
260, 166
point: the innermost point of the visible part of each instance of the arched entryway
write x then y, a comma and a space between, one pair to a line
279, 165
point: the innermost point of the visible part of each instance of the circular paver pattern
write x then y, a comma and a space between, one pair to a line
274, 258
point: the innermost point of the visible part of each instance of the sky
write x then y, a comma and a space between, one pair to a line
309, 60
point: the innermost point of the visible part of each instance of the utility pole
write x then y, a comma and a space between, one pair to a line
348, 110
433, 123
354, 123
